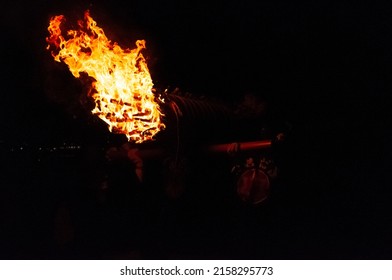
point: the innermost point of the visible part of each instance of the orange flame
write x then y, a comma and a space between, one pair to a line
122, 87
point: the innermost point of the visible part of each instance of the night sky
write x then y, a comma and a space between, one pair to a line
325, 67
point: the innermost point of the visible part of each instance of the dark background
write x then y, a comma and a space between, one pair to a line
324, 66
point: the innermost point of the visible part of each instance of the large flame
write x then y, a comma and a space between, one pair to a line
122, 87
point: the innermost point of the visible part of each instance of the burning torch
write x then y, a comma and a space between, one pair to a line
124, 98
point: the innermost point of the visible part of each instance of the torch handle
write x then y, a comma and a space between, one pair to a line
241, 146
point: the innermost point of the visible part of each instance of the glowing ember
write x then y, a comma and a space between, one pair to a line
122, 87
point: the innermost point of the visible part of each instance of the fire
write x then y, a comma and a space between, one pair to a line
122, 89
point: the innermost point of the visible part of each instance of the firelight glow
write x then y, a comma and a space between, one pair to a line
122, 88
